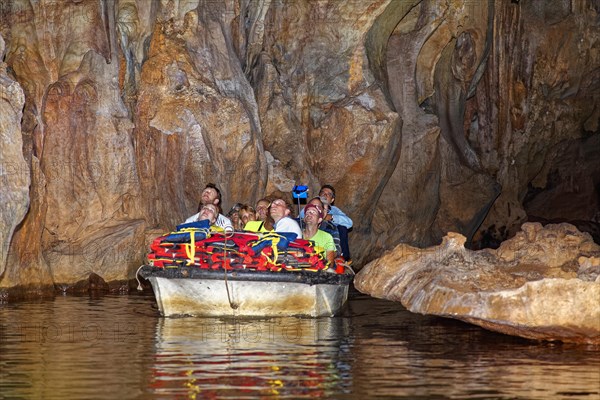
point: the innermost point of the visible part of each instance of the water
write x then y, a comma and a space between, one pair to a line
119, 347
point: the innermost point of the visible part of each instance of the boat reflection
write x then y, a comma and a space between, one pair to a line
216, 357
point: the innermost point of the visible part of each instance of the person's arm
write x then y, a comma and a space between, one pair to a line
330, 258
330, 251
339, 218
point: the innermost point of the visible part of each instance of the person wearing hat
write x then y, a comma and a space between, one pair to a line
328, 226
234, 216
323, 241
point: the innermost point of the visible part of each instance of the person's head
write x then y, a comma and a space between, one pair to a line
318, 202
234, 215
247, 213
279, 209
327, 194
209, 212
211, 195
313, 215
262, 209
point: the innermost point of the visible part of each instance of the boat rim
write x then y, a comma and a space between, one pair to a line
249, 275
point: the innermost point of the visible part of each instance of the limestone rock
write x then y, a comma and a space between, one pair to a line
14, 171
426, 116
197, 118
325, 118
542, 284
474, 115
84, 216
550, 86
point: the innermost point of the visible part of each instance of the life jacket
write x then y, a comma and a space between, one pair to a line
196, 244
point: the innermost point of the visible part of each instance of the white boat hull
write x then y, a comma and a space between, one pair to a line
208, 293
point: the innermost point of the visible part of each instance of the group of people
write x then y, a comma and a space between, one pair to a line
319, 221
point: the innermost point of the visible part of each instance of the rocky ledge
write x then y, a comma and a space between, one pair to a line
542, 284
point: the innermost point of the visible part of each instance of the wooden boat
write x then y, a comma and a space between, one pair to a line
195, 271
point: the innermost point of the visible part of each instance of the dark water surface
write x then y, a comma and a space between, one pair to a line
118, 347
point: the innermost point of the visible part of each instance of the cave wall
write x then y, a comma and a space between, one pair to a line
427, 117
550, 79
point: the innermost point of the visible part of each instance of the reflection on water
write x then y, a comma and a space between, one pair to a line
279, 356
403, 354
118, 347
74, 348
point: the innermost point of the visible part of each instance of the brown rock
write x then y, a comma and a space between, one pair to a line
14, 171
427, 116
543, 284
197, 121
487, 115
83, 217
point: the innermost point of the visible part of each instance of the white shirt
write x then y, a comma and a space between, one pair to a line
222, 221
287, 224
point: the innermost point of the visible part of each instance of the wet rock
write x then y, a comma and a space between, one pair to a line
471, 110
84, 215
427, 116
325, 117
196, 116
14, 171
97, 283
542, 284
552, 95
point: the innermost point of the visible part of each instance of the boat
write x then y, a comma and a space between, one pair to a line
199, 272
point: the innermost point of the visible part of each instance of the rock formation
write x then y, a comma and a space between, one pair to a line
426, 116
14, 171
544, 283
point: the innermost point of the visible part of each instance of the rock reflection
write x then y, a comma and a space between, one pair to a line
74, 348
117, 347
249, 357
410, 356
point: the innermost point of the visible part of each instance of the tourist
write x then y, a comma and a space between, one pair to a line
328, 226
337, 216
263, 221
249, 221
262, 209
280, 211
212, 195
234, 217
323, 241
208, 212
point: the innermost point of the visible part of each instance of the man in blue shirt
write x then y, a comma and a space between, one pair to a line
335, 215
